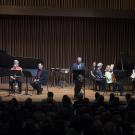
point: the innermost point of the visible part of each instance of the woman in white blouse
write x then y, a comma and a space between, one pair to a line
109, 77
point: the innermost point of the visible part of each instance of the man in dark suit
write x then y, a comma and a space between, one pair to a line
78, 65
78, 70
40, 79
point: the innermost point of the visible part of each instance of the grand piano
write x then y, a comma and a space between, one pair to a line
125, 63
28, 64
123, 68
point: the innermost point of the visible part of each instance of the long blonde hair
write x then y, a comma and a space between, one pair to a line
107, 69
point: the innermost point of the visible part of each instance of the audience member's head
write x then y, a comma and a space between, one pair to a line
28, 103
128, 96
86, 101
112, 96
50, 94
101, 99
50, 97
97, 95
131, 104
66, 101
14, 101
116, 102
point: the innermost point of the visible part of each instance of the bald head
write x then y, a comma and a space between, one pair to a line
16, 63
40, 66
79, 59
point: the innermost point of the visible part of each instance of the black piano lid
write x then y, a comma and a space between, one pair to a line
27, 63
32, 71
6, 61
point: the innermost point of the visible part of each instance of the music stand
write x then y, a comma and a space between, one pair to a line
76, 73
55, 76
17, 74
119, 75
27, 74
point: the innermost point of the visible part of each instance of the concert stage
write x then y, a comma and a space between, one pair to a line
58, 93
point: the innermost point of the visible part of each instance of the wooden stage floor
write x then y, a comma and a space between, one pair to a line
58, 93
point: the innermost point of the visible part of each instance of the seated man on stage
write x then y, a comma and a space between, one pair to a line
78, 76
14, 79
40, 79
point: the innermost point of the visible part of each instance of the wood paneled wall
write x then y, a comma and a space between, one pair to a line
59, 40
114, 4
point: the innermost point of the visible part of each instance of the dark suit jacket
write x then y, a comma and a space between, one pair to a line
75, 66
43, 78
78, 71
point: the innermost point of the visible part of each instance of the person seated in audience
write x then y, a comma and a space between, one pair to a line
33, 118
14, 79
116, 103
100, 79
28, 104
66, 102
49, 104
108, 77
50, 99
79, 102
128, 96
131, 104
97, 95
65, 108
40, 79
111, 100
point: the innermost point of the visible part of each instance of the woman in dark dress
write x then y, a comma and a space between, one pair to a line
92, 75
